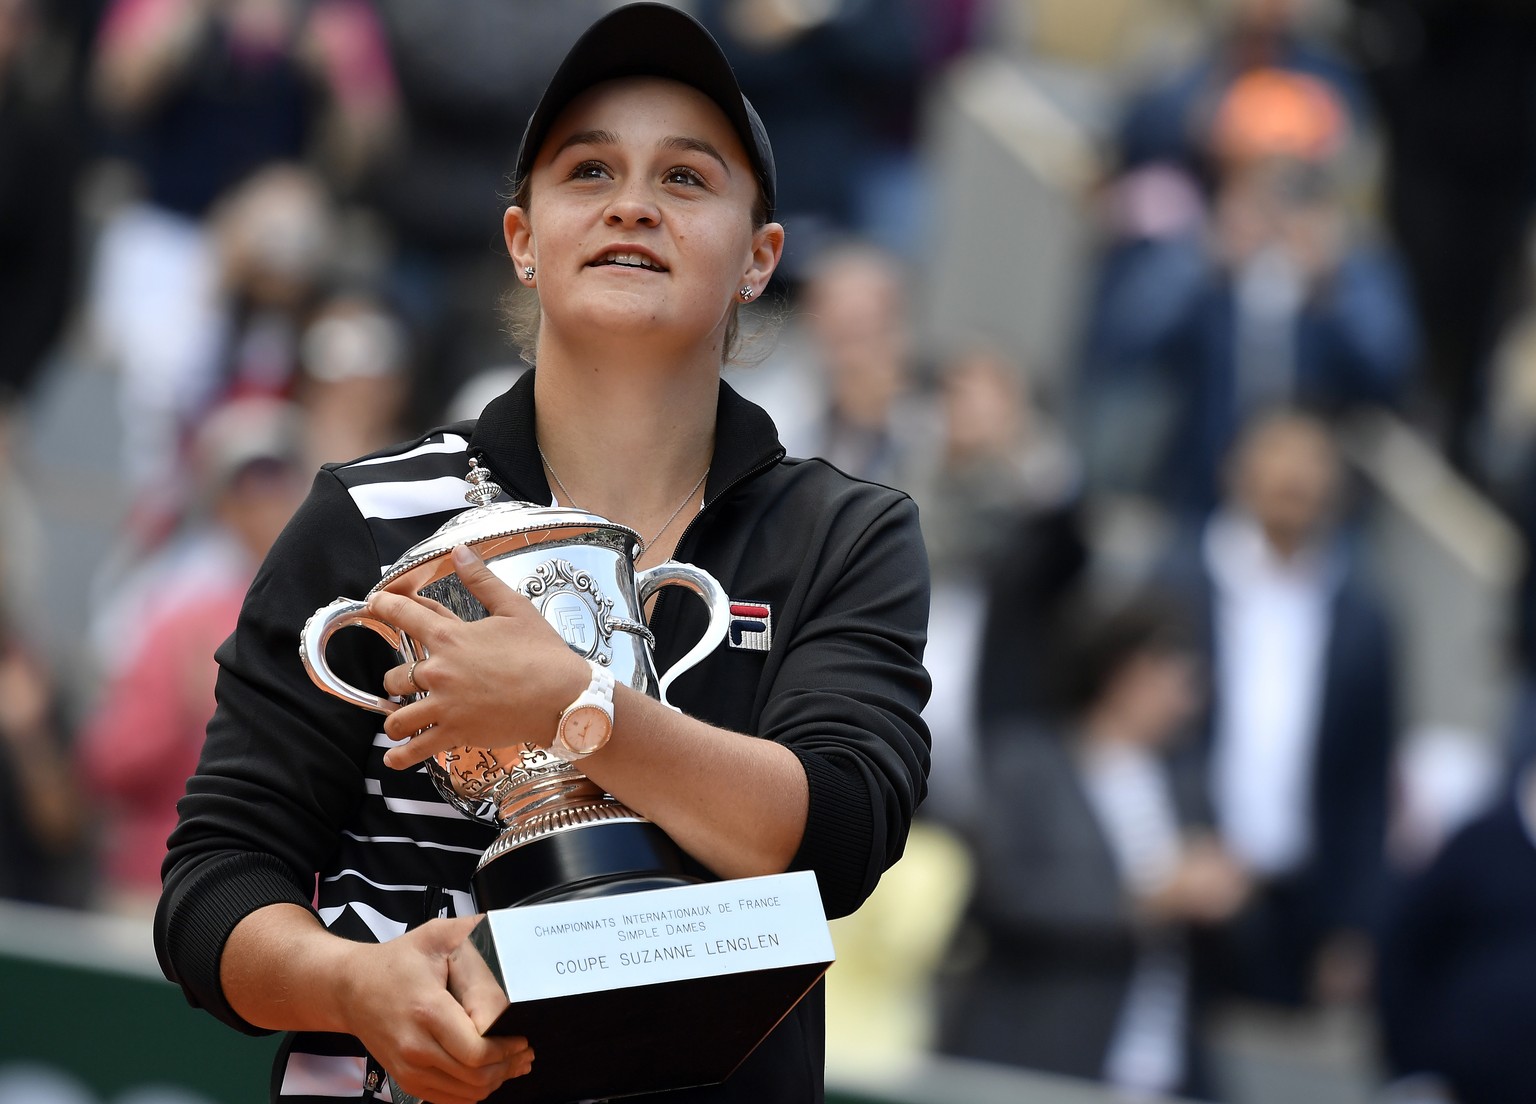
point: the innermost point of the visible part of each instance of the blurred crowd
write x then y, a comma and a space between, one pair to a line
1175, 775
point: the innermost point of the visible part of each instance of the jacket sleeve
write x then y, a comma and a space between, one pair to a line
849, 695
280, 769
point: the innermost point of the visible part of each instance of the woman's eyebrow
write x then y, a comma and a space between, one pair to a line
674, 142
697, 145
587, 138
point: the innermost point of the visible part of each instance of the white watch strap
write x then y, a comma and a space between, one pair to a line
600, 690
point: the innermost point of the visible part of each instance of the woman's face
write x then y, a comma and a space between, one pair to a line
1163, 688
640, 217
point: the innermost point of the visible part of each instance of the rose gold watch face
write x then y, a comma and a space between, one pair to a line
586, 730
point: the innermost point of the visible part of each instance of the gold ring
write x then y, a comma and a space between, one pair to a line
410, 676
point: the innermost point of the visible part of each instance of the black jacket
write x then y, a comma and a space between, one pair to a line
292, 785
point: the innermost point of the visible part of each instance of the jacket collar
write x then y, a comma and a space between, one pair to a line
746, 441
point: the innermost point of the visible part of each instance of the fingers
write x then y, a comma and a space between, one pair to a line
414, 615
442, 1056
448, 933
431, 1071
417, 747
475, 987
400, 682
442, 1088
458, 1048
495, 595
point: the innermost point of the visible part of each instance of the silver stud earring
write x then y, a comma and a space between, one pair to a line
746, 294
528, 273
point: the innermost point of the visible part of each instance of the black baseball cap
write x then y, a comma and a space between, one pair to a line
651, 40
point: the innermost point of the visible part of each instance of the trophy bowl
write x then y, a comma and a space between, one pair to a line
561, 836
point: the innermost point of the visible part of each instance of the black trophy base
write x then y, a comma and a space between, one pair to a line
629, 995
595, 860
627, 1042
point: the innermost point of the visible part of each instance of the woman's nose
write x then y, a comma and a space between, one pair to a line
633, 206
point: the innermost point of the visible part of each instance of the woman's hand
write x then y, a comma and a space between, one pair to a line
496, 682
402, 999
735, 803
1207, 886
411, 1021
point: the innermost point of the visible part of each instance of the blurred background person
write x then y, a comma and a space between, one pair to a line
1159, 243
41, 156
1454, 85
1457, 990
199, 94
853, 395
998, 455
1265, 293
1008, 514
1297, 311
44, 815
274, 235
143, 739
272, 241
1297, 744
1091, 870
1001, 505
354, 378
838, 83
1169, 118
39, 165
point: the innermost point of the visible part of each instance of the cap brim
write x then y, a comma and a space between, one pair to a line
651, 40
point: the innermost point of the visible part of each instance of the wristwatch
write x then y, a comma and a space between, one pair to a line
587, 722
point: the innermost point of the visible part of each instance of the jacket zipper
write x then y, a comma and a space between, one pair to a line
750, 473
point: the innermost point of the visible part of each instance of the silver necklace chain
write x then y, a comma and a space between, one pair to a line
644, 544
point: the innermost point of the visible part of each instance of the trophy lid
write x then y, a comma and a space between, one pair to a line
503, 525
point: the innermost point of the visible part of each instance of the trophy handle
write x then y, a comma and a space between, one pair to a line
341, 614
703, 584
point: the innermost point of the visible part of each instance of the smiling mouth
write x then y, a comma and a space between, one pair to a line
627, 260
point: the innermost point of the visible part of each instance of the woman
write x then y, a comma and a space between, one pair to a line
642, 220
1089, 875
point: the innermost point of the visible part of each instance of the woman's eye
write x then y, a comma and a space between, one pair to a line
682, 175
589, 170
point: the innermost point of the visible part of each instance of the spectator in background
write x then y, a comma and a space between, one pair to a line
1454, 82
43, 813
203, 93
354, 358
1090, 874
1002, 518
998, 456
274, 237
1170, 120
143, 741
1295, 311
207, 91
1457, 993
38, 169
1298, 742
1270, 298
272, 243
1511, 426
861, 368
839, 82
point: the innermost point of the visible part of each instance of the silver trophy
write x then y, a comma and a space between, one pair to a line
561, 835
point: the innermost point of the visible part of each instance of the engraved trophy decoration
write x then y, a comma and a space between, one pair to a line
562, 837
